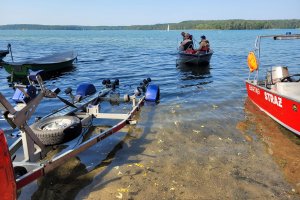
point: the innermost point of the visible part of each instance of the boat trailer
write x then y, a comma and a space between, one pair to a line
58, 127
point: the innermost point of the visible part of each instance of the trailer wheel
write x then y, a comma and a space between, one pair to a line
57, 130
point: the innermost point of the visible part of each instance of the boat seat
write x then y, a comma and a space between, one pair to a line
289, 89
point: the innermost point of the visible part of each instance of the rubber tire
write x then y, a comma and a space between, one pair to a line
60, 135
20, 171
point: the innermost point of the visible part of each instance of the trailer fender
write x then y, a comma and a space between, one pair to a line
85, 89
57, 130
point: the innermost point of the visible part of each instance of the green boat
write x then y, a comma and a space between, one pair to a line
54, 62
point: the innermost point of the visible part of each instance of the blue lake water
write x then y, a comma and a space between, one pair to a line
212, 97
133, 55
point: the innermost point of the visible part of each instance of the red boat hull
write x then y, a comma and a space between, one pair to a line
282, 109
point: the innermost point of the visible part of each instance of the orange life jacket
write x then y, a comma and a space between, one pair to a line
205, 47
190, 51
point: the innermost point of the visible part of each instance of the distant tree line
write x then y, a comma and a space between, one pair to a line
236, 24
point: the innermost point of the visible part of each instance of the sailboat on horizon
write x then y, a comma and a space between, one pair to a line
168, 29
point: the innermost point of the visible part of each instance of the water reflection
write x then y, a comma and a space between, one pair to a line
91, 60
190, 73
281, 144
255, 117
195, 69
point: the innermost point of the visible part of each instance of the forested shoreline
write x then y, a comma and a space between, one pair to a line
235, 24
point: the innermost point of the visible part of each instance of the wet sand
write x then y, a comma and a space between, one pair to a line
163, 158
198, 165
283, 145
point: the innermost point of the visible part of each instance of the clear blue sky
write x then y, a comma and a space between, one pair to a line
138, 12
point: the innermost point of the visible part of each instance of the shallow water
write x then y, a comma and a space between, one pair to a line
196, 103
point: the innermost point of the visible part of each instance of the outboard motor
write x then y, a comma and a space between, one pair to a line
276, 74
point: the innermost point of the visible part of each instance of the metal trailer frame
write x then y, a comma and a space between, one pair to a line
35, 150
257, 48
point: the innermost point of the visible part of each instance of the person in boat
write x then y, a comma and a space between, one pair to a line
187, 43
183, 35
204, 46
